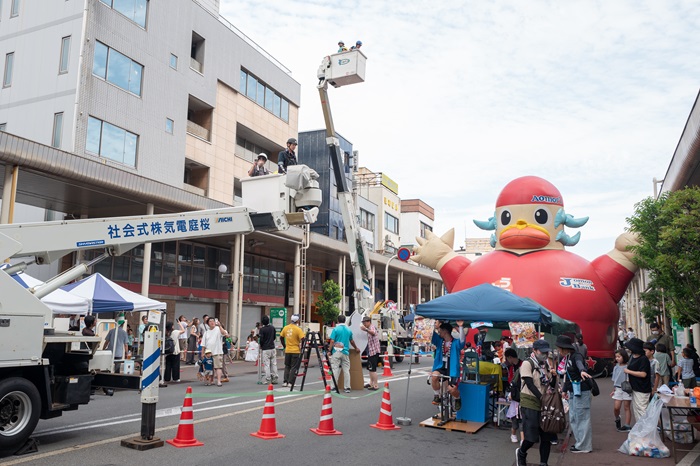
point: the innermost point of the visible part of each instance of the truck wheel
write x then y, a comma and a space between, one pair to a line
398, 357
19, 411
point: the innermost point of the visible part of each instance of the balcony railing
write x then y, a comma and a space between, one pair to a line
195, 130
195, 65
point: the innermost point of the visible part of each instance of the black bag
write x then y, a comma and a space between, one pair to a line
626, 387
595, 391
516, 384
552, 416
169, 346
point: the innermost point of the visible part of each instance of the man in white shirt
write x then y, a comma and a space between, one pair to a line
213, 340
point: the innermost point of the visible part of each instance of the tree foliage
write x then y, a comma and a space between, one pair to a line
669, 249
327, 302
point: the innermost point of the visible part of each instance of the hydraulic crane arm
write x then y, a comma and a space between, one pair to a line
359, 257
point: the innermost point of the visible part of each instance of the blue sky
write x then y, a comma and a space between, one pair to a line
463, 96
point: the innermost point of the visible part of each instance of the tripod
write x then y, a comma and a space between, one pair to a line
312, 340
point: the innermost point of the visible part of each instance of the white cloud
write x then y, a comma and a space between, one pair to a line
462, 97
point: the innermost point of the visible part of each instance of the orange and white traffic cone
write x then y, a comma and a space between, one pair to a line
387, 366
268, 425
386, 420
185, 430
326, 371
325, 425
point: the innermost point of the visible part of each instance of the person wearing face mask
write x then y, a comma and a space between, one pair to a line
536, 376
578, 388
658, 336
447, 351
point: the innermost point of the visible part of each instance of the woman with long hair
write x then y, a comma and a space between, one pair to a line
192, 340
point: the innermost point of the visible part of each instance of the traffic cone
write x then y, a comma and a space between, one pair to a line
268, 425
185, 430
326, 371
325, 425
387, 366
386, 420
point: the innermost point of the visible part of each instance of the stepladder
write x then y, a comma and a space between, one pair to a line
312, 342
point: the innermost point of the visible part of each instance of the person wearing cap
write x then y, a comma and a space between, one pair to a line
579, 392
340, 340
208, 367
638, 372
287, 157
291, 336
373, 350
258, 168
342, 47
357, 45
535, 377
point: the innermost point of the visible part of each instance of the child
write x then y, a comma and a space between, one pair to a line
252, 349
208, 365
621, 398
649, 351
665, 364
685, 368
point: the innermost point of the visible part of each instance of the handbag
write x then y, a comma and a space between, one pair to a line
595, 391
626, 387
552, 415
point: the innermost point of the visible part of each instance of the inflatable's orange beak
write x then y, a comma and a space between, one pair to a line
523, 235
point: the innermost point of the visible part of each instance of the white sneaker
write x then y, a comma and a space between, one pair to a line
514, 438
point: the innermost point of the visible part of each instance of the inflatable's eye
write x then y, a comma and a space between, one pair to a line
505, 218
541, 216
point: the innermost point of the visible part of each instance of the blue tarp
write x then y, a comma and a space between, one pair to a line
491, 303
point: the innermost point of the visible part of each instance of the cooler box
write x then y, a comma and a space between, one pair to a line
475, 402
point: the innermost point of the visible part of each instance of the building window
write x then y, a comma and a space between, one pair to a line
423, 228
14, 9
111, 142
197, 53
263, 276
263, 95
169, 125
135, 10
57, 130
9, 62
117, 69
366, 220
173, 61
391, 223
65, 55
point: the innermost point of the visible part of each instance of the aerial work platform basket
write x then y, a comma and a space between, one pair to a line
341, 69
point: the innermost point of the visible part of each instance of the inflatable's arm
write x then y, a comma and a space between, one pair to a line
616, 268
437, 253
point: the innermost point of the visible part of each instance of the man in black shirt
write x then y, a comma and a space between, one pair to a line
267, 346
287, 157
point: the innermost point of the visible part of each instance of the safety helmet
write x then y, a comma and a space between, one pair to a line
359, 42
291, 141
262, 156
340, 42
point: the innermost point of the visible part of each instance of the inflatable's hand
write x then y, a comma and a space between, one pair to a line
621, 254
434, 251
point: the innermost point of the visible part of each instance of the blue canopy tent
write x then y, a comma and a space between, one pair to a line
106, 296
490, 303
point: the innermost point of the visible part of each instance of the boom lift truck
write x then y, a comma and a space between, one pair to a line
338, 70
41, 372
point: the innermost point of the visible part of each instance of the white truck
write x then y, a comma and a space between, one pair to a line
338, 70
42, 374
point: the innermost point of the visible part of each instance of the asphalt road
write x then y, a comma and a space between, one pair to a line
224, 421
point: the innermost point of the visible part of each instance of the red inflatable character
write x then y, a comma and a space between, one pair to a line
530, 260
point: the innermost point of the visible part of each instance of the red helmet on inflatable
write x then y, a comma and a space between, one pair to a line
529, 190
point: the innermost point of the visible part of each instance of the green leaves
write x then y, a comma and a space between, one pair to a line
669, 250
327, 301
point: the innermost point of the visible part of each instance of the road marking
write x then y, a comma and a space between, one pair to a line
136, 435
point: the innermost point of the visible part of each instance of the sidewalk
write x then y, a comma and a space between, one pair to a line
606, 439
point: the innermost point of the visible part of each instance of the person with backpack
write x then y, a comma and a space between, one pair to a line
171, 348
535, 377
512, 367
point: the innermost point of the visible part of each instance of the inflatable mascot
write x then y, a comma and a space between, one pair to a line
529, 260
